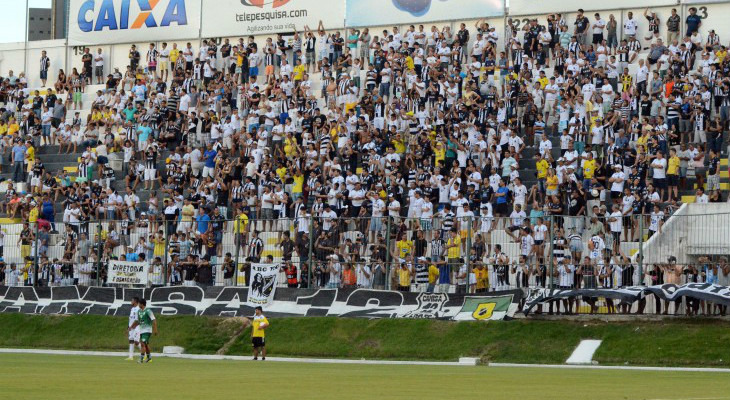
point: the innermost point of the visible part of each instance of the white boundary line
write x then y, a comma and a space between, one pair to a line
235, 358
614, 367
367, 362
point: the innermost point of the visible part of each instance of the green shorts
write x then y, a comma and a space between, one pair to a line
77, 97
144, 337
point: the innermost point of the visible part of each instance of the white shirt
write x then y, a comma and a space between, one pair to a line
659, 168
630, 26
618, 186
598, 26
617, 224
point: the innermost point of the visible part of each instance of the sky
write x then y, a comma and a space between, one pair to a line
12, 28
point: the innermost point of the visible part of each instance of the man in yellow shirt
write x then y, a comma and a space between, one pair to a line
404, 247
174, 55
186, 219
240, 227
299, 71
482, 277
404, 277
453, 248
433, 275
589, 169
258, 334
673, 173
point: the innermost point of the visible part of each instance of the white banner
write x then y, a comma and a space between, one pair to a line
237, 18
532, 7
93, 22
386, 12
127, 273
263, 284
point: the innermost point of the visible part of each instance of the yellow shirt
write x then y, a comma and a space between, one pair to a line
241, 223
281, 172
256, 331
543, 81
551, 182
404, 277
3, 129
720, 56
174, 54
673, 166
289, 148
299, 71
159, 247
482, 276
589, 168
190, 211
454, 252
31, 154
439, 154
409, 63
542, 168
33, 215
298, 186
400, 146
405, 247
433, 274
13, 128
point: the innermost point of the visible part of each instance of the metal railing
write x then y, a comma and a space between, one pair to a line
446, 253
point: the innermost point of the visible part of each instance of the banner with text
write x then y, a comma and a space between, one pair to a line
670, 292
361, 12
263, 284
127, 273
237, 18
92, 22
287, 302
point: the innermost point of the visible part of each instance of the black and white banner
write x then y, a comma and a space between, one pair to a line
702, 291
233, 301
263, 284
127, 273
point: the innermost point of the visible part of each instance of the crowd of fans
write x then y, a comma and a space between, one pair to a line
395, 167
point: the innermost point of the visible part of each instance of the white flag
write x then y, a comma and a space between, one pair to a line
263, 284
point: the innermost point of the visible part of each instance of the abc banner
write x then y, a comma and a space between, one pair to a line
127, 273
263, 284
237, 18
360, 12
93, 22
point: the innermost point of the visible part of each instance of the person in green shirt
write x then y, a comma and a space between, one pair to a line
147, 326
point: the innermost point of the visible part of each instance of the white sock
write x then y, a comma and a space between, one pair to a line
131, 350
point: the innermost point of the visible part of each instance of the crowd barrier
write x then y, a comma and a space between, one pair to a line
451, 255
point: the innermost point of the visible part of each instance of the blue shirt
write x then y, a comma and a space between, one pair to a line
203, 221
210, 158
693, 23
144, 133
48, 208
444, 274
132, 257
19, 153
502, 199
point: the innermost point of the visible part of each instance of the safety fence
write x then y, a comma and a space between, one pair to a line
445, 253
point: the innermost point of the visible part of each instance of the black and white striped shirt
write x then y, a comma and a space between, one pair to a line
45, 63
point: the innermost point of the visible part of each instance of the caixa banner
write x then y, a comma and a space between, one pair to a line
93, 22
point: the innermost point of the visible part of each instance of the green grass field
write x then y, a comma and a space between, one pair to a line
672, 342
90, 377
